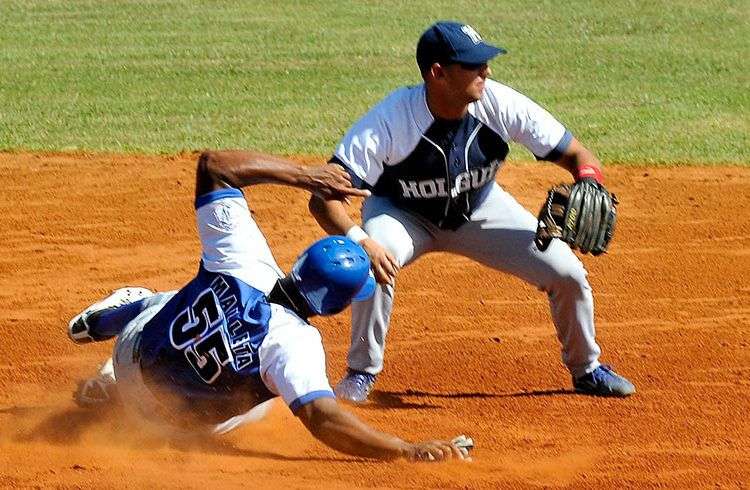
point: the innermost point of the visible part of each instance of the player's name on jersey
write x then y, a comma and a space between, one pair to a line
241, 342
465, 181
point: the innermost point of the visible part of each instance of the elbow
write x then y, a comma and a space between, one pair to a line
209, 166
213, 171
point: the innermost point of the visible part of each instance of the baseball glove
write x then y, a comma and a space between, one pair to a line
582, 215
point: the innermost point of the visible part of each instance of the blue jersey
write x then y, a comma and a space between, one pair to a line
201, 349
217, 348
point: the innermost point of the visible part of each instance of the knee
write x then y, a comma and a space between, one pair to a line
570, 277
402, 248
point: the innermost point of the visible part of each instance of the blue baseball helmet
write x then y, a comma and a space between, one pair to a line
332, 273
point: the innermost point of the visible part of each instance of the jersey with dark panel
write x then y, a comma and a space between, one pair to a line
443, 170
449, 172
199, 353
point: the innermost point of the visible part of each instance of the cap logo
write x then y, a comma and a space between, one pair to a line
474, 35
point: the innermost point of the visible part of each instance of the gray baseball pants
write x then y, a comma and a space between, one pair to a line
500, 235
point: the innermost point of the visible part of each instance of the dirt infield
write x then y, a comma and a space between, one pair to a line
471, 351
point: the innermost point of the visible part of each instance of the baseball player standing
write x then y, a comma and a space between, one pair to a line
199, 359
429, 154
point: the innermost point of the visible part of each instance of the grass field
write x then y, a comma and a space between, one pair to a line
638, 81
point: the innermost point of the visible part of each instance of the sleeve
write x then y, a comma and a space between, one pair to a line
365, 148
526, 122
292, 360
231, 241
356, 181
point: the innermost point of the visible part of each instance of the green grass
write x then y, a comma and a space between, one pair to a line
637, 81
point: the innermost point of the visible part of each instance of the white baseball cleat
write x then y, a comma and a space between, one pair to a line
78, 327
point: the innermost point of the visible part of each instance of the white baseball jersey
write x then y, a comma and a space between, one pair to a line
443, 169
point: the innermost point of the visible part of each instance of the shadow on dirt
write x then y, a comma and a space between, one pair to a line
524, 394
219, 447
109, 426
392, 399
22, 411
65, 426
398, 399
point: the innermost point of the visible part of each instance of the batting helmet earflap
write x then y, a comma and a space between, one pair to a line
331, 273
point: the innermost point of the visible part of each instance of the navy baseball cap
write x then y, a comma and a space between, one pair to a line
452, 42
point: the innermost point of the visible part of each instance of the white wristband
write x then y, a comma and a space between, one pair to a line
356, 234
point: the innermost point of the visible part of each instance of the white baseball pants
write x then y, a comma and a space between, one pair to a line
500, 235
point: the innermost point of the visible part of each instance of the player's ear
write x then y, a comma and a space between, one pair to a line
437, 71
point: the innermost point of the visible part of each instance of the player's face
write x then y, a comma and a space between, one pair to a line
467, 81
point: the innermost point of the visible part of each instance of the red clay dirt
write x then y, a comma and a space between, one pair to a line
470, 350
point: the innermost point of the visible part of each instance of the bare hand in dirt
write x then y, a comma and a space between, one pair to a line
332, 182
435, 451
384, 264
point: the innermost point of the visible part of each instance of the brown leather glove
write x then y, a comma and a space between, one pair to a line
582, 214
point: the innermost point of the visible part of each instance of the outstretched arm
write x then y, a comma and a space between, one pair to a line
344, 432
221, 169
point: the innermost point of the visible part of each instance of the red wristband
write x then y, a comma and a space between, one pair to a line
589, 172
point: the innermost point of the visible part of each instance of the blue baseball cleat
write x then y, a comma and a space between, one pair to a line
355, 386
603, 381
79, 328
